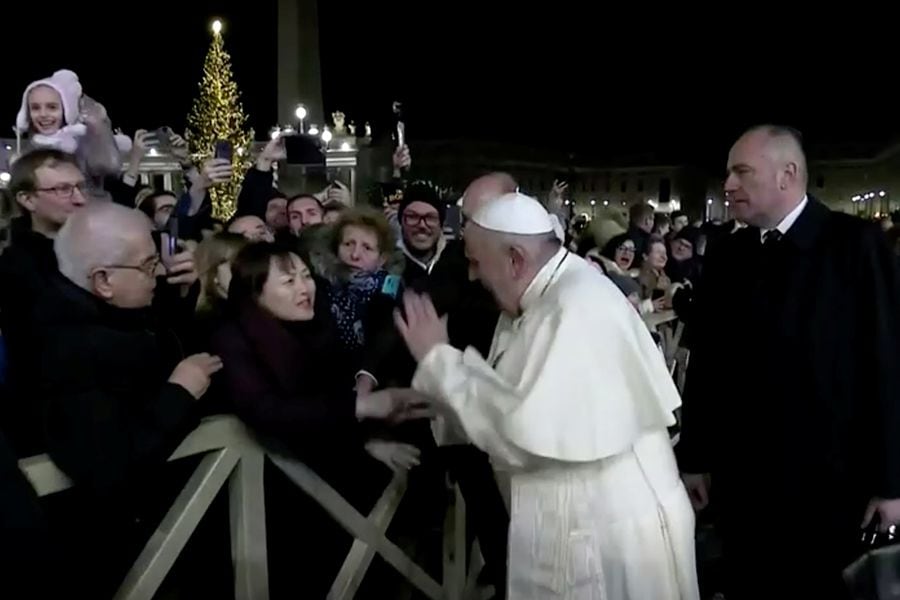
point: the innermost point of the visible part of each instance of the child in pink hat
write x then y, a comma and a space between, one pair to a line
55, 113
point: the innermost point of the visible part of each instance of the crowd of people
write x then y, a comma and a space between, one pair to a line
364, 341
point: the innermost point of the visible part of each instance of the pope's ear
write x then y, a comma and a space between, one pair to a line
518, 258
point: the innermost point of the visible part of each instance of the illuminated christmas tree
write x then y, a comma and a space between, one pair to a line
217, 115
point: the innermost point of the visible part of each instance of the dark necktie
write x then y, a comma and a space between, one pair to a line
771, 238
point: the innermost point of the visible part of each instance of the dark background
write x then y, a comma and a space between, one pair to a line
596, 83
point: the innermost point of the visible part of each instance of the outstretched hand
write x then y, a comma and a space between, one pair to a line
394, 405
420, 326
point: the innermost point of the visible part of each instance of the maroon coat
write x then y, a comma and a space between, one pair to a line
291, 384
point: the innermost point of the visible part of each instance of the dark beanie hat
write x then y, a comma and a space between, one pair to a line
423, 192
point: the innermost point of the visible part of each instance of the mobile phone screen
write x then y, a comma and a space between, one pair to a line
169, 241
223, 150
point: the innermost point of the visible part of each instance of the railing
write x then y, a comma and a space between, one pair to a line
233, 456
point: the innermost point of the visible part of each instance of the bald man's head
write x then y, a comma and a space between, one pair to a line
767, 175
484, 189
108, 250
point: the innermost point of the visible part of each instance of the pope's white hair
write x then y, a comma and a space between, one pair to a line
97, 235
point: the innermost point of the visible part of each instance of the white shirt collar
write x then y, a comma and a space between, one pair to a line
788, 220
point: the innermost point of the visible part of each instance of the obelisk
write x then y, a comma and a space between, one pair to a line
299, 67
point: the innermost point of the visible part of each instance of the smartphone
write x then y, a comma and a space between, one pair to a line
223, 150
169, 241
163, 136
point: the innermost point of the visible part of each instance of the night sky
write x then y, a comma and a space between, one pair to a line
598, 85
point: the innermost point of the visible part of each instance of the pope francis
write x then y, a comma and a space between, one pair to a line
574, 401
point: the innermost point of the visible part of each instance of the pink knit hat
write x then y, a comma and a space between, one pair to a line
68, 87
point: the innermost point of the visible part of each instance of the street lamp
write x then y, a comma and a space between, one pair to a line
606, 203
301, 113
217, 27
326, 135
882, 194
593, 204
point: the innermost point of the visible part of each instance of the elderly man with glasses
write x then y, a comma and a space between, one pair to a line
47, 187
120, 394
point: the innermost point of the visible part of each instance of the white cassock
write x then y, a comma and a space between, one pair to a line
576, 407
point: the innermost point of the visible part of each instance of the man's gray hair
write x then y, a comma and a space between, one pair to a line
96, 236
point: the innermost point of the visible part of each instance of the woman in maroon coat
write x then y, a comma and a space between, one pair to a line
290, 383
286, 373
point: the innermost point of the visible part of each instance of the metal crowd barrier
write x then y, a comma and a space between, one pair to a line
233, 456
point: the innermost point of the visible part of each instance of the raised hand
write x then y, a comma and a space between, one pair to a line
273, 152
337, 193
421, 327
402, 159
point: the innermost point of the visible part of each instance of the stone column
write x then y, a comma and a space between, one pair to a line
299, 67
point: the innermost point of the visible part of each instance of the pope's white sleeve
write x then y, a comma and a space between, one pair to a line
478, 396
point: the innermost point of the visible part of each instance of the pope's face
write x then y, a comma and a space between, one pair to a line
492, 265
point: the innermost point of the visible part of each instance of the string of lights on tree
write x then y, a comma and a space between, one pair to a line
217, 115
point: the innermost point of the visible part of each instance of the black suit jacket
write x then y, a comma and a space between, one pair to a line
792, 398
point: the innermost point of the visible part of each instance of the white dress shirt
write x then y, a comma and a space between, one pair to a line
787, 221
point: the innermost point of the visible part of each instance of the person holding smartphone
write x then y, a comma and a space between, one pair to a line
259, 196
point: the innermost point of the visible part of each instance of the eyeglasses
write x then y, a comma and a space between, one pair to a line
148, 267
626, 249
64, 190
413, 219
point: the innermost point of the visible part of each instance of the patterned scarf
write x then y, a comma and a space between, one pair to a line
349, 300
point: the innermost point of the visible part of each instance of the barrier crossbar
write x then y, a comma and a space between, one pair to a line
233, 456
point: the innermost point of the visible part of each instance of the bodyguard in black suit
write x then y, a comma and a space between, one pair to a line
792, 403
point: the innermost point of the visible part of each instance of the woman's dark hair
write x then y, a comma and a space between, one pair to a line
609, 250
250, 271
